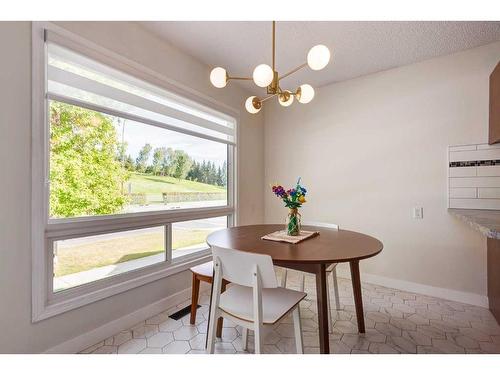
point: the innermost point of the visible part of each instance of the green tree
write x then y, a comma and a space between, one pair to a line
168, 162
198, 174
224, 174
181, 163
205, 171
121, 152
129, 164
141, 162
85, 175
213, 174
159, 155
194, 173
208, 172
219, 176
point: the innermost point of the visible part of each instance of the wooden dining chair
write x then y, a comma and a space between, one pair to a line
203, 272
330, 270
254, 298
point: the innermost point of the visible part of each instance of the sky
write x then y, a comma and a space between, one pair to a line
137, 135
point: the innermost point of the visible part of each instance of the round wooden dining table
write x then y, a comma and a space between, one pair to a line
312, 255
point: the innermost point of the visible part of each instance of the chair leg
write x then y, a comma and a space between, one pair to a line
283, 277
194, 298
302, 281
330, 322
211, 331
220, 320
336, 288
298, 330
244, 338
258, 339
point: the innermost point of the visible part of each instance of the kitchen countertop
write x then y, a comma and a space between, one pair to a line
485, 221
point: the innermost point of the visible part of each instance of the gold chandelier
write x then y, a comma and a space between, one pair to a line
267, 77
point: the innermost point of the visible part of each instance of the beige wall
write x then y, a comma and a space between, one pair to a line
371, 148
18, 334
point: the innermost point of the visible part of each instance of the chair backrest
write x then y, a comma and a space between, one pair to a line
239, 267
320, 224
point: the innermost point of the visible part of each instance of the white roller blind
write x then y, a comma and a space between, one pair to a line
79, 80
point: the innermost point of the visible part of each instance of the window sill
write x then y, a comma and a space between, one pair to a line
81, 296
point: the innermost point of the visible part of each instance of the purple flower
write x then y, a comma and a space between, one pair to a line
279, 191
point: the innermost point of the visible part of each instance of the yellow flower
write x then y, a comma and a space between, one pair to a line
302, 199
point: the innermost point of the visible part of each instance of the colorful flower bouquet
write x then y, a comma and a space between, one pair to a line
293, 199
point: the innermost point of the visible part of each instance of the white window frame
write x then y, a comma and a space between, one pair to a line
44, 231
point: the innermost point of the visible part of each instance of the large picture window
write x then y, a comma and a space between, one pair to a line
105, 165
135, 179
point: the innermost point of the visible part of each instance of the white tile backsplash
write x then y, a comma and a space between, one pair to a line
463, 172
475, 204
490, 170
473, 177
463, 192
474, 182
491, 154
487, 193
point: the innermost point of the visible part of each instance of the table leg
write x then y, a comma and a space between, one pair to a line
358, 299
322, 299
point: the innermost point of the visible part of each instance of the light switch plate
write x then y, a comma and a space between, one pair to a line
418, 212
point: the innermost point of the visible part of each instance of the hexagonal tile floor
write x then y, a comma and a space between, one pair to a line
396, 322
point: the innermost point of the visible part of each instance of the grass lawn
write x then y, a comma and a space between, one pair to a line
149, 184
117, 249
153, 186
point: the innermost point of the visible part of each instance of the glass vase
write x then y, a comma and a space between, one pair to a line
293, 222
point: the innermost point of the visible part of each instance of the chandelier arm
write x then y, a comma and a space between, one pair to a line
240, 78
268, 97
292, 71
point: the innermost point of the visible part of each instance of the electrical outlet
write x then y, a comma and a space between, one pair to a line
418, 212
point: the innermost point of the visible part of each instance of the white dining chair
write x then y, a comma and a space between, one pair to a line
254, 298
330, 270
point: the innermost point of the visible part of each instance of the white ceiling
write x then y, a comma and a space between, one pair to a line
358, 48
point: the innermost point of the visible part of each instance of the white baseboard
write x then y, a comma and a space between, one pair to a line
101, 333
428, 290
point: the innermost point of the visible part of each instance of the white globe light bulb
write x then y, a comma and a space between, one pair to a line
250, 106
263, 75
306, 93
285, 99
218, 77
318, 57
